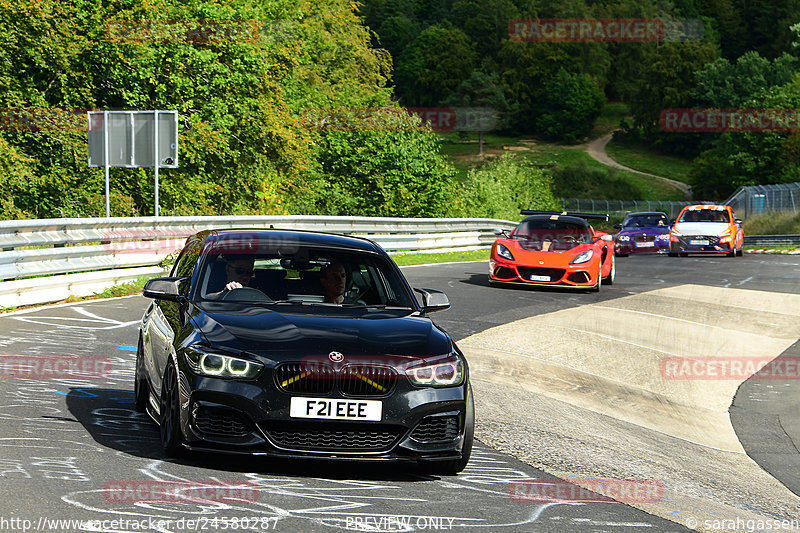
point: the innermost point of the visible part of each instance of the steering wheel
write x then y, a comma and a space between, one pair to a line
245, 294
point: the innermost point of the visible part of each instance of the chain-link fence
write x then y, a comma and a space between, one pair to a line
623, 206
757, 199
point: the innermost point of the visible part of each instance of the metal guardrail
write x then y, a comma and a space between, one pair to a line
671, 208
771, 240
83, 256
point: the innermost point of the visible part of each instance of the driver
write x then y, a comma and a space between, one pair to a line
239, 271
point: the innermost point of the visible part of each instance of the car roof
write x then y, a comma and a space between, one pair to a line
299, 237
638, 213
712, 207
560, 218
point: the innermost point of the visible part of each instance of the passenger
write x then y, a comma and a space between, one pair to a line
333, 280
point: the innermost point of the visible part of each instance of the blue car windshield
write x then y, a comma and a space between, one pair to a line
645, 221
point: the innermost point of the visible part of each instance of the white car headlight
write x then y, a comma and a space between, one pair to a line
664, 237
447, 372
221, 366
624, 238
503, 252
675, 233
582, 257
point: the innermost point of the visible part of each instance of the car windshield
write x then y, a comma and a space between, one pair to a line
649, 220
302, 276
551, 235
704, 215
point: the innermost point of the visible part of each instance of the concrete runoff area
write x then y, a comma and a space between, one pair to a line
583, 393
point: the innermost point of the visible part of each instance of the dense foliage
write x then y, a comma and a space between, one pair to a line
745, 54
245, 143
279, 116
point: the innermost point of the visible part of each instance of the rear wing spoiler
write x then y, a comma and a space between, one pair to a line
588, 216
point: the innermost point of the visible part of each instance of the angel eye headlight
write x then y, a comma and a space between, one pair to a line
582, 257
221, 366
664, 237
624, 238
445, 373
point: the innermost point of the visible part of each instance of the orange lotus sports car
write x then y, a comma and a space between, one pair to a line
552, 248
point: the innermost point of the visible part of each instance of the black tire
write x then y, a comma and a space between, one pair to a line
609, 280
170, 416
451, 468
141, 389
672, 252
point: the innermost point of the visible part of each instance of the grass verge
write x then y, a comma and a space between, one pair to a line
645, 159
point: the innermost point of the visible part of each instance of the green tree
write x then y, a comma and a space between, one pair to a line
391, 167
500, 188
569, 107
434, 65
751, 158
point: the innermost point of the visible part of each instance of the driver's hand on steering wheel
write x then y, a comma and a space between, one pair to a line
233, 285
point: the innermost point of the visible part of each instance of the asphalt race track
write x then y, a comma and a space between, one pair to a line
68, 446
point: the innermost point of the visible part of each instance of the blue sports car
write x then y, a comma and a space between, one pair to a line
642, 232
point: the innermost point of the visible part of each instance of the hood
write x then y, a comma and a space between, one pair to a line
301, 333
701, 228
549, 259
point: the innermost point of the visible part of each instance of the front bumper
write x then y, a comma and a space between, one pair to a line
582, 275
700, 244
636, 247
253, 418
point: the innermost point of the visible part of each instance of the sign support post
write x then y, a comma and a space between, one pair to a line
106, 163
133, 139
157, 160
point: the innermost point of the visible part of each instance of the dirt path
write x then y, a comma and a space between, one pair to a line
597, 151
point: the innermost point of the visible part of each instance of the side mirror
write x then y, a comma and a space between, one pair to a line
737, 220
608, 238
167, 288
433, 300
498, 231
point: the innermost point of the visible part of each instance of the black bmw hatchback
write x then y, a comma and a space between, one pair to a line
299, 344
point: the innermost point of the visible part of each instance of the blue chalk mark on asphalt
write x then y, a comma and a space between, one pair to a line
86, 393
127, 348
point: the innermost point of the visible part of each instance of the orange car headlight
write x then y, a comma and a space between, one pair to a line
582, 257
503, 252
